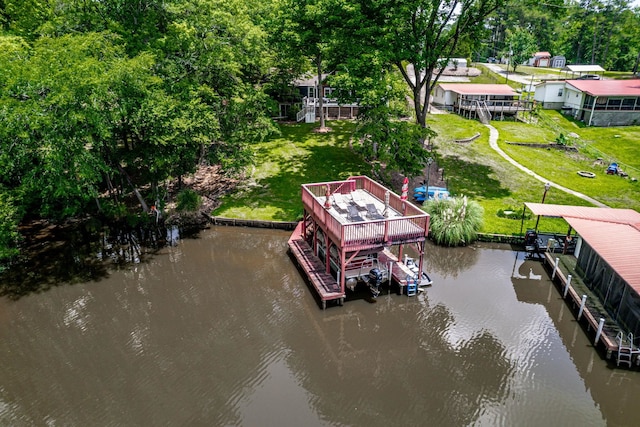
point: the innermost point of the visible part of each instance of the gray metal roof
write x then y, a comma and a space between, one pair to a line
584, 68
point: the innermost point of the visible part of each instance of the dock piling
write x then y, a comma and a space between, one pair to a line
555, 268
599, 331
582, 304
566, 286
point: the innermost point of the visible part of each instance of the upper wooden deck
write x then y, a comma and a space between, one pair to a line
376, 223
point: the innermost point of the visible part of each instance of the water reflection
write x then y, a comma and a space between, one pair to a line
449, 262
77, 252
612, 388
222, 330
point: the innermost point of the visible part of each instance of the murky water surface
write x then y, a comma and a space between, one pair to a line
222, 331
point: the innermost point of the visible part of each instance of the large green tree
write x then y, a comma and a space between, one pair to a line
418, 36
600, 32
115, 96
307, 28
520, 45
544, 20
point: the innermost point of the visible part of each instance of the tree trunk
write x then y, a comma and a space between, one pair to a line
319, 92
145, 208
637, 63
112, 190
593, 42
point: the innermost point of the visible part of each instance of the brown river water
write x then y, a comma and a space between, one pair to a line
221, 330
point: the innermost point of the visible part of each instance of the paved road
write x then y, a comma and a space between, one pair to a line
493, 142
524, 80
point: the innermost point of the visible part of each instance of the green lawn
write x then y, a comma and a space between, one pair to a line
475, 170
282, 164
271, 190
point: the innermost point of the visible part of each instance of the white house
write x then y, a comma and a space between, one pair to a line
595, 102
454, 62
550, 94
479, 100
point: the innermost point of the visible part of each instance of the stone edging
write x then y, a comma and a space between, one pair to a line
236, 222
473, 138
544, 145
291, 225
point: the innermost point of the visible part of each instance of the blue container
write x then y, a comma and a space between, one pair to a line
420, 194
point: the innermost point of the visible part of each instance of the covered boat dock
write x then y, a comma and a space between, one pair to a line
347, 234
602, 278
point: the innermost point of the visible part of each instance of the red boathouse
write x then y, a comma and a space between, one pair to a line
347, 234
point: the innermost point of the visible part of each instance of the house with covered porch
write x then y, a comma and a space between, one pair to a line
482, 101
595, 102
310, 90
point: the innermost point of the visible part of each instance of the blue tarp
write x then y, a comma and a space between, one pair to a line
420, 193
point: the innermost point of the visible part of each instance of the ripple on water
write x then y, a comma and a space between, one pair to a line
76, 313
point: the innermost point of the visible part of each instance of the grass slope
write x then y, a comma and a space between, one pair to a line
300, 155
477, 171
282, 164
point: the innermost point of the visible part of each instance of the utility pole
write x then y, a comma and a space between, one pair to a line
544, 195
429, 161
509, 62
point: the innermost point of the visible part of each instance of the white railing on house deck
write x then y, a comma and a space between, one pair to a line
307, 113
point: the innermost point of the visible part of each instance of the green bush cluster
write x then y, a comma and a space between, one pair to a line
188, 200
454, 221
511, 213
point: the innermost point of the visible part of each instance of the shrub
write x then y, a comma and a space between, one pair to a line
188, 200
9, 235
512, 213
454, 221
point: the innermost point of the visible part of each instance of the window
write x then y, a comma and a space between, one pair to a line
628, 103
615, 102
560, 92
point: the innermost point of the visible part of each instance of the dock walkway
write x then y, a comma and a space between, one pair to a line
324, 284
591, 313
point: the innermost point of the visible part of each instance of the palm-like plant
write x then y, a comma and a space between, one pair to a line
454, 221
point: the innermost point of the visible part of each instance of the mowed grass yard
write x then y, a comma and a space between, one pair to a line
282, 164
271, 190
619, 144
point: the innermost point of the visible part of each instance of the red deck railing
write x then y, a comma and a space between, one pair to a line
411, 227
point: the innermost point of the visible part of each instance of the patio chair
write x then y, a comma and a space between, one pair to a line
354, 214
358, 199
372, 212
340, 202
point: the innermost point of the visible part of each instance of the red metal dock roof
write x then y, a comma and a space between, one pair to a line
613, 233
607, 87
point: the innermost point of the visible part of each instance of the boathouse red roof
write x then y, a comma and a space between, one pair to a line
607, 87
479, 89
613, 233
